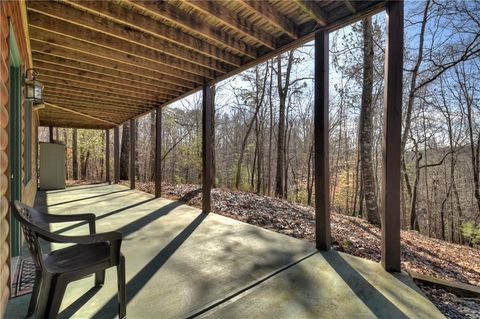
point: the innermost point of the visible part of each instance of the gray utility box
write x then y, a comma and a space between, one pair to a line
52, 166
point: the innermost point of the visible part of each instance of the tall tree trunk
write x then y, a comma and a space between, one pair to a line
74, 154
124, 152
366, 126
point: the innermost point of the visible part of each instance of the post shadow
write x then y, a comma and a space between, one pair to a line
148, 271
85, 198
378, 304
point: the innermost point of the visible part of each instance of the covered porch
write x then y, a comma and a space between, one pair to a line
184, 263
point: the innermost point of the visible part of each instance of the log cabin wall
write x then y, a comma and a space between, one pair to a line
14, 13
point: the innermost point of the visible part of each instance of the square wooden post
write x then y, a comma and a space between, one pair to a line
321, 142
107, 156
390, 208
132, 152
116, 155
50, 134
158, 152
207, 109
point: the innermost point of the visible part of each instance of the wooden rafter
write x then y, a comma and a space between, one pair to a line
226, 17
85, 40
314, 10
98, 23
79, 113
139, 80
166, 11
108, 107
110, 62
273, 16
350, 6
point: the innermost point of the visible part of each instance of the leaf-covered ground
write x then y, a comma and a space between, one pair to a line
351, 235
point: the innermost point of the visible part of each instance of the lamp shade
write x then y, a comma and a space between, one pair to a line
34, 91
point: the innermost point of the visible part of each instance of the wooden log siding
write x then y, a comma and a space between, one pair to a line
150, 53
12, 12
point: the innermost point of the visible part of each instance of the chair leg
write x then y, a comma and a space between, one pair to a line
36, 289
44, 293
122, 293
99, 278
59, 285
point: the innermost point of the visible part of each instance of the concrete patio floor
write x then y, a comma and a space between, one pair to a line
182, 263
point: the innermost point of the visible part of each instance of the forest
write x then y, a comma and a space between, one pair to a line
264, 134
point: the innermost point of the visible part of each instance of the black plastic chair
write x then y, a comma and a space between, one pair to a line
91, 254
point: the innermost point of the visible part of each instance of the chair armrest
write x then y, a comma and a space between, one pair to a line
90, 218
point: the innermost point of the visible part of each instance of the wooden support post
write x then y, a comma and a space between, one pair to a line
50, 133
107, 156
133, 134
116, 155
207, 109
158, 152
390, 208
321, 139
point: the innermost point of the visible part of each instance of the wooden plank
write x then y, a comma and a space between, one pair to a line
132, 152
115, 60
123, 15
112, 98
108, 108
207, 109
157, 59
265, 10
92, 89
390, 191
140, 80
350, 6
456, 287
164, 10
231, 20
107, 156
116, 155
78, 18
158, 152
75, 112
103, 79
321, 138
314, 10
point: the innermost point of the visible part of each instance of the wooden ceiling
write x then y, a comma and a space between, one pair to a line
104, 62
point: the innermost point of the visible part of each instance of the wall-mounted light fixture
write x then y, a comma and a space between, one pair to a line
33, 88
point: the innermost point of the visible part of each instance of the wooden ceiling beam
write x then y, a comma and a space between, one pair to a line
103, 45
52, 91
314, 11
227, 18
84, 100
273, 16
52, 77
86, 57
350, 6
126, 89
42, 65
123, 15
79, 113
167, 88
166, 11
71, 15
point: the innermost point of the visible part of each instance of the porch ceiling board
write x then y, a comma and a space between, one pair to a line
120, 59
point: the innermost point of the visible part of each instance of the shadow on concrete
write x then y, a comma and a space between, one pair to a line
74, 307
380, 306
78, 188
86, 198
121, 209
148, 271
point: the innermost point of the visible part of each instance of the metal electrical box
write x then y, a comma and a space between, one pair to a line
52, 166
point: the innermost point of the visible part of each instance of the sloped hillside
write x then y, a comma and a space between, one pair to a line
352, 235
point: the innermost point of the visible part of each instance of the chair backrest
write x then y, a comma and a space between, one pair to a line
28, 217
